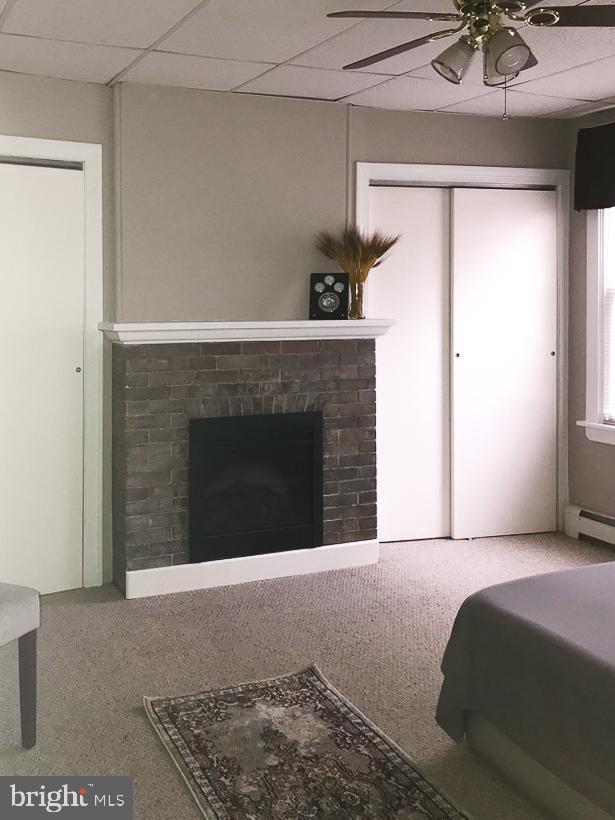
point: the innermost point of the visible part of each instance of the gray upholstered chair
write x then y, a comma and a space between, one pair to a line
19, 620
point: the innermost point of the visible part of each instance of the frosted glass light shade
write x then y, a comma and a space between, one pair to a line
454, 61
506, 53
491, 76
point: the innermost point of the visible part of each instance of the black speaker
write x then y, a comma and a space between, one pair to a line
329, 296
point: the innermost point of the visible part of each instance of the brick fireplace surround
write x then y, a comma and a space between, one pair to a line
157, 388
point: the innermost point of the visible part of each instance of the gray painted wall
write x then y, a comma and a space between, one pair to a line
453, 139
591, 464
221, 194
220, 197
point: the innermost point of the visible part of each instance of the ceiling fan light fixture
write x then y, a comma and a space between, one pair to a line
454, 61
506, 53
492, 78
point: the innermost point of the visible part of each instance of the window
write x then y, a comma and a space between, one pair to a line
600, 403
608, 319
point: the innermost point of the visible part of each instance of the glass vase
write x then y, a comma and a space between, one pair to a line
356, 301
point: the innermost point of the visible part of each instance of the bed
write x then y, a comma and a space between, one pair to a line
529, 682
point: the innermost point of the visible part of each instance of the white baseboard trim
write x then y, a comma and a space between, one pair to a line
581, 521
142, 583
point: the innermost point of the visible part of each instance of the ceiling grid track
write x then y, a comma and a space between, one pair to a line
159, 41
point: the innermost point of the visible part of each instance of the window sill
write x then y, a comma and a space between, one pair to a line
603, 433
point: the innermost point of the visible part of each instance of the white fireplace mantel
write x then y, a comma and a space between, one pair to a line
132, 333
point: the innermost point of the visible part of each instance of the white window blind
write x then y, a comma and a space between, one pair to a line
608, 319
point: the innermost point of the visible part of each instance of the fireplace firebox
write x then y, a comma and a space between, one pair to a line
255, 485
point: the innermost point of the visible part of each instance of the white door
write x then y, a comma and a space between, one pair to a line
41, 412
504, 386
412, 363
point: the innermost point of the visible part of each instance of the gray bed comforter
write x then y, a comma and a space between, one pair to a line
537, 658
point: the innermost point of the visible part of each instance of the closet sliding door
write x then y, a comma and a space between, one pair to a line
412, 363
504, 363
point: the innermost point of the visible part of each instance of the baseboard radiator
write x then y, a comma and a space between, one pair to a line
579, 521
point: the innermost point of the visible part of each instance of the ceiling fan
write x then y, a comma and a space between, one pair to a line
486, 27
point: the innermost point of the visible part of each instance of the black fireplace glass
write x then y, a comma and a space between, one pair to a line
256, 485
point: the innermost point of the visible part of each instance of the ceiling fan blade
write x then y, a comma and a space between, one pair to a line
580, 16
431, 16
393, 52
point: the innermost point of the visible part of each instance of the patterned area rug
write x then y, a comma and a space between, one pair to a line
290, 748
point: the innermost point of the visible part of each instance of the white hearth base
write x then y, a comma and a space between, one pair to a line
142, 583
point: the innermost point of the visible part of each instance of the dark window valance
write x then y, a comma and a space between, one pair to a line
594, 168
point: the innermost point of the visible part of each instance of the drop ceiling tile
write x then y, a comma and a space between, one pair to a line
595, 81
564, 48
322, 84
68, 61
160, 68
107, 22
519, 105
410, 94
268, 30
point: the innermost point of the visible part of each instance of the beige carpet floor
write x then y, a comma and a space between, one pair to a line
377, 633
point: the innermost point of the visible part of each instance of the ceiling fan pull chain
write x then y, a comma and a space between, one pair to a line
505, 116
